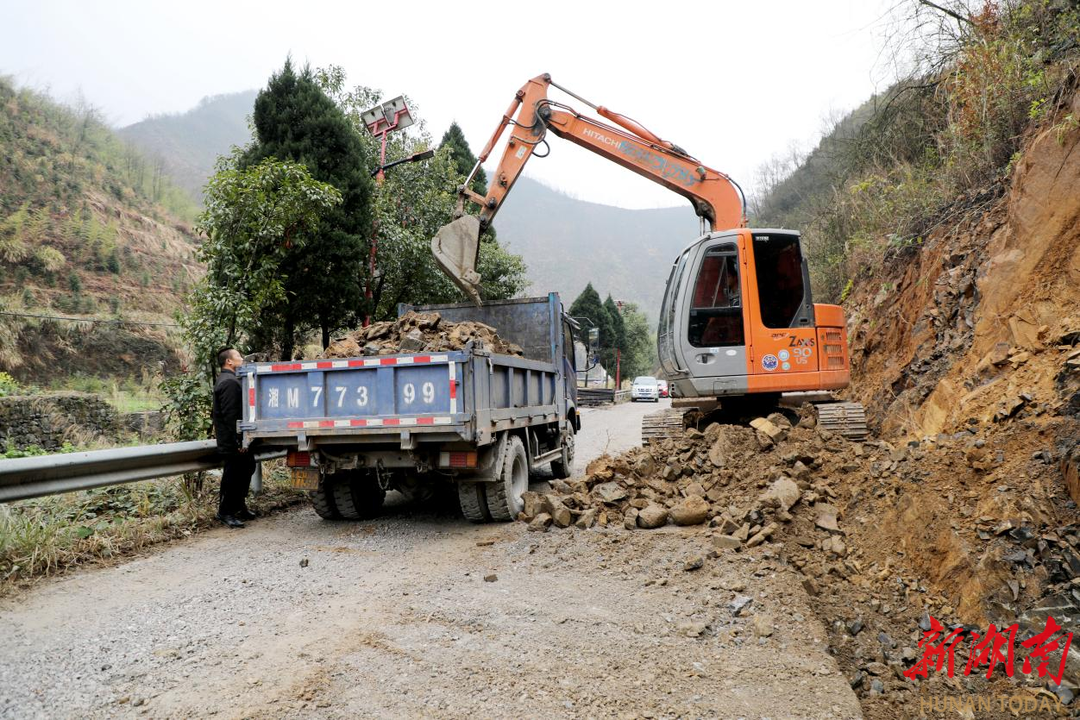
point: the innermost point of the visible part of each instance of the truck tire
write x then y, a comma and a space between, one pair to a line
323, 501
504, 495
343, 497
473, 502
367, 496
563, 468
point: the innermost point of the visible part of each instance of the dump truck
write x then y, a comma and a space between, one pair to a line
357, 427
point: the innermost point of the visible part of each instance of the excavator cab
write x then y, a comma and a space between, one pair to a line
738, 318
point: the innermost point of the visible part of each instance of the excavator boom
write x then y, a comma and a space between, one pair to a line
715, 196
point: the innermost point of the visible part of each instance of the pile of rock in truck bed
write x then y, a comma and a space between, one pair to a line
417, 332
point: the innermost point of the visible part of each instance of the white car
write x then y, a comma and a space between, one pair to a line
645, 387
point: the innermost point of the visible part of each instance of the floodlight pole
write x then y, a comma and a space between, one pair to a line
380, 121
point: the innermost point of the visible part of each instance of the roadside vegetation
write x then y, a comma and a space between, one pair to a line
939, 141
48, 535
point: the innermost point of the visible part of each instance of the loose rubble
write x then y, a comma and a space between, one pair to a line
416, 332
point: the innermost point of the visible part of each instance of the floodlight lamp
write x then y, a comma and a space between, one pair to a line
391, 115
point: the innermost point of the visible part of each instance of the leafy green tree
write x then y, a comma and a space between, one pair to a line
256, 217
411, 204
639, 352
295, 120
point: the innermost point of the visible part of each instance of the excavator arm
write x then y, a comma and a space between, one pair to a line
715, 197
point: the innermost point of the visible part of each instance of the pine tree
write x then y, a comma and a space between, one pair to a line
463, 158
588, 309
295, 120
618, 329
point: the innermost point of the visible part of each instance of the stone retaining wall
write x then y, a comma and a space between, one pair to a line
47, 421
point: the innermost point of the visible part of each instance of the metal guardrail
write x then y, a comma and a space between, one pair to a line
592, 397
23, 478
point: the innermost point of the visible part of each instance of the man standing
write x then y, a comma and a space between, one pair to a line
239, 464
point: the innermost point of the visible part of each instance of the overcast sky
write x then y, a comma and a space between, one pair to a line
733, 83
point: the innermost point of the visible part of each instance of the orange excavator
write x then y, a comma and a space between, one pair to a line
738, 327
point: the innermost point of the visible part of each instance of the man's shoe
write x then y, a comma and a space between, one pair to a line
230, 520
246, 514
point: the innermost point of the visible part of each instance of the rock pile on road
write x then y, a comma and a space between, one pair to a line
416, 332
742, 481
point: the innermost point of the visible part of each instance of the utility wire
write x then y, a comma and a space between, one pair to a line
118, 321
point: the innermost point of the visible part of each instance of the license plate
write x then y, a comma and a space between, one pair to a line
305, 478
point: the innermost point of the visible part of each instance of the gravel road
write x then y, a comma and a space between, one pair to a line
421, 614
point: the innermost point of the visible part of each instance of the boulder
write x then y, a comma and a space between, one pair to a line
781, 494
540, 523
653, 516
826, 517
587, 519
609, 492
725, 542
691, 511
766, 427
533, 504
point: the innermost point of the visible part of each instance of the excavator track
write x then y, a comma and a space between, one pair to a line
844, 418
663, 425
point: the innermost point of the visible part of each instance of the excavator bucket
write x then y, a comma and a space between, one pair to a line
457, 248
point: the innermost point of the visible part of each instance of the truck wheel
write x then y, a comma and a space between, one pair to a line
504, 495
323, 501
563, 468
367, 496
473, 502
343, 497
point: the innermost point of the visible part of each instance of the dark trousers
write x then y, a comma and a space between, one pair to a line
235, 481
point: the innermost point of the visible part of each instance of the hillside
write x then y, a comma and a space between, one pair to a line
946, 216
189, 143
89, 228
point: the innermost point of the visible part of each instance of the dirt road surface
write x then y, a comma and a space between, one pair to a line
421, 614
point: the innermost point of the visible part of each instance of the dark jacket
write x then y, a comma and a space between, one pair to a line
228, 410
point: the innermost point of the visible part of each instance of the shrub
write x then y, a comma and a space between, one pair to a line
8, 385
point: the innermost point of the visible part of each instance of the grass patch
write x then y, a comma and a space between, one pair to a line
126, 394
48, 535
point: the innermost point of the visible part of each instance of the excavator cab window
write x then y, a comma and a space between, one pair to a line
716, 317
780, 279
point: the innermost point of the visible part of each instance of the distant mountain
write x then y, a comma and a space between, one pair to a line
189, 143
566, 243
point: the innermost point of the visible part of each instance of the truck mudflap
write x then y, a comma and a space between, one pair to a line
336, 396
